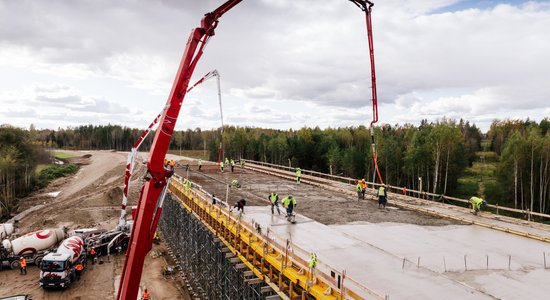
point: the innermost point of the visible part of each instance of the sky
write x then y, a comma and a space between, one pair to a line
283, 63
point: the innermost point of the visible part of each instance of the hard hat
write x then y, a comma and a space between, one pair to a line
484, 202
289, 196
22, 257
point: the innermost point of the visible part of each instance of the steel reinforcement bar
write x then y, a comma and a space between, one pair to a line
274, 264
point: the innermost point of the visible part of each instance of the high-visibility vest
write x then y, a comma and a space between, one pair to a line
381, 191
476, 200
23, 263
92, 252
312, 260
298, 172
287, 201
232, 163
172, 163
358, 187
363, 184
145, 296
79, 267
274, 197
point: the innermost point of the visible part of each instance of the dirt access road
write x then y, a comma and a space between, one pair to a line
90, 198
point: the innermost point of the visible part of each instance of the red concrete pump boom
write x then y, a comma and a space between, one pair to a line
148, 211
149, 208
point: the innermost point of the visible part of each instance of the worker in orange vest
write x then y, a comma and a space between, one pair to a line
363, 187
172, 165
404, 190
78, 270
23, 265
145, 295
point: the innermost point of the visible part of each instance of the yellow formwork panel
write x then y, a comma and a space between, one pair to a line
273, 257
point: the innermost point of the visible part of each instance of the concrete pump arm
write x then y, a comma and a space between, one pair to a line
149, 209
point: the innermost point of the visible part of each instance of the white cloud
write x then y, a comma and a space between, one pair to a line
434, 58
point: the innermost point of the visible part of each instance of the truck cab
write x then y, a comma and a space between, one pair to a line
56, 270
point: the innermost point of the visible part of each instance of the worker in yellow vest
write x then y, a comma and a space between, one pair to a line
382, 196
476, 203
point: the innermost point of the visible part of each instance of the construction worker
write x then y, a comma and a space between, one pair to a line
476, 203
382, 196
23, 266
221, 166
92, 255
364, 187
240, 205
227, 161
312, 264
172, 165
232, 165
298, 175
242, 163
404, 190
274, 199
200, 163
289, 203
78, 270
213, 199
145, 295
359, 190
187, 184
165, 163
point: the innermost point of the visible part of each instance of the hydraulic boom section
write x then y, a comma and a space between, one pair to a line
366, 6
145, 223
214, 73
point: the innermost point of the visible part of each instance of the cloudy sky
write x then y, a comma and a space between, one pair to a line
283, 63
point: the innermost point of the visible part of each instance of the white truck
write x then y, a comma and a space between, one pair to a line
33, 246
57, 269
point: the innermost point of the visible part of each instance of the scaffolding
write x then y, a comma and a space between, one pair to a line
210, 269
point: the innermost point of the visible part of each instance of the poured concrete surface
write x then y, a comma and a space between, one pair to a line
373, 254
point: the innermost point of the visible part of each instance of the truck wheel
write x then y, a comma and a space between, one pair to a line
14, 264
38, 260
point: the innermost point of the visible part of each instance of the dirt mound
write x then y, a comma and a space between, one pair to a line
114, 195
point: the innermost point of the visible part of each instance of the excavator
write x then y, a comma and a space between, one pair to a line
152, 192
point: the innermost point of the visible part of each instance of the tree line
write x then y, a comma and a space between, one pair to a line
438, 153
19, 156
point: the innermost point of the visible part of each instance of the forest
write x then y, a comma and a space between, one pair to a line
439, 152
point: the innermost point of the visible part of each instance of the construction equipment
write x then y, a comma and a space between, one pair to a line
56, 269
122, 224
209, 75
33, 246
153, 190
366, 6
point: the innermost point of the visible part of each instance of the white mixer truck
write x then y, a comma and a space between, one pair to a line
33, 246
57, 269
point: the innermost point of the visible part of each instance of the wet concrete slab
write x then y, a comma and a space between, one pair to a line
408, 261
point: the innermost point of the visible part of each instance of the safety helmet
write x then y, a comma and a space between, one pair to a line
289, 196
22, 257
484, 202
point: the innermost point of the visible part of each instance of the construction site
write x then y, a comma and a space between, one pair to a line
412, 249
156, 225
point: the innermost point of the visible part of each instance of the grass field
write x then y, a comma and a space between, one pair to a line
61, 155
